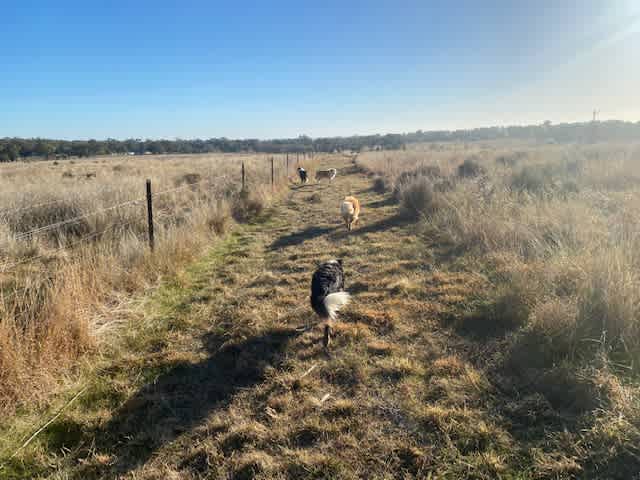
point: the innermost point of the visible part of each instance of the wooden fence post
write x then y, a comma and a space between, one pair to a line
243, 177
152, 243
273, 185
287, 161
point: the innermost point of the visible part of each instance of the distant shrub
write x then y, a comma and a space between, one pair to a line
187, 179
247, 207
444, 185
219, 219
67, 174
49, 214
510, 159
470, 168
380, 185
533, 179
418, 198
430, 172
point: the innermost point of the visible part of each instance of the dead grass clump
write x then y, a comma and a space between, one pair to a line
608, 306
310, 465
533, 179
47, 214
511, 159
381, 185
315, 198
253, 465
380, 348
449, 366
612, 446
430, 172
187, 179
555, 465
418, 199
341, 408
555, 320
507, 310
347, 372
247, 435
466, 428
382, 322
403, 286
470, 168
247, 207
306, 435
347, 332
219, 218
397, 368
413, 459
569, 389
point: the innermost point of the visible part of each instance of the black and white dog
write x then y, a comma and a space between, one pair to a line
327, 293
303, 175
327, 289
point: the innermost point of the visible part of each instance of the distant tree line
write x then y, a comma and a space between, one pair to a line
12, 149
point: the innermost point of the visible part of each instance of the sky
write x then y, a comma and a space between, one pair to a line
273, 69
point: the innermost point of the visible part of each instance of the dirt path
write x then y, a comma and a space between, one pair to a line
219, 384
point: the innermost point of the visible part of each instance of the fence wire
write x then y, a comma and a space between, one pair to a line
11, 266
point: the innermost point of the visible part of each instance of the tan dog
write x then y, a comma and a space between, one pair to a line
350, 210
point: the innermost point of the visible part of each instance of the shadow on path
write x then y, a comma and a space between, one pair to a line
380, 225
184, 396
301, 236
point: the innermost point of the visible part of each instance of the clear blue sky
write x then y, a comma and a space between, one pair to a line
151, 69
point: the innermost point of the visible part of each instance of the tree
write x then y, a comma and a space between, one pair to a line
44, 148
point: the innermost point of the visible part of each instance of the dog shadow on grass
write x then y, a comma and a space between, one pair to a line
182, 397
299, 237
379, 226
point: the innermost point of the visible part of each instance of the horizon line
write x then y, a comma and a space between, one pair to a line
265, 139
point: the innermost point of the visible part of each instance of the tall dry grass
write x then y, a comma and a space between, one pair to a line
62, 286
562, 220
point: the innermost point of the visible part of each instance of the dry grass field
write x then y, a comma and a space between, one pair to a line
493, 333
73, 248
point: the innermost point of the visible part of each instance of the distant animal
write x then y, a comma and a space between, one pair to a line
350, 211
330, 174
303, 175
327, 294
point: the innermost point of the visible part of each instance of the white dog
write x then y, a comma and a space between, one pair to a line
330, 174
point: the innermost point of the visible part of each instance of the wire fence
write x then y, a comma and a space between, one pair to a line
217, 184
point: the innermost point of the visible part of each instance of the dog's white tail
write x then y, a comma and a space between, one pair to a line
335, 301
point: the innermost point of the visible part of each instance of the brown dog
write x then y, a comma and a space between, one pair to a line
350, 211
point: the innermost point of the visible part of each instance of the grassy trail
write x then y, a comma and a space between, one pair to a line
214, 381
